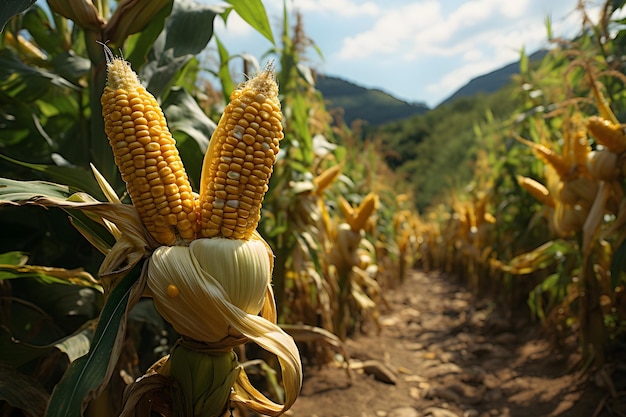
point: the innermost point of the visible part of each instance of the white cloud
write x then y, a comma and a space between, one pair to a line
473, 55
414, 31
235, 26
347, 8
392, 30
514, 9
486, 52
342, 8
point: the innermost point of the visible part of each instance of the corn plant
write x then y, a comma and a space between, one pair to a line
165, 216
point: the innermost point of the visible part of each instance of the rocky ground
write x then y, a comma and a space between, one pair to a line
441, 352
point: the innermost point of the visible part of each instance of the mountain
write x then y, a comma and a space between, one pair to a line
377, 107
371, 105
492, 81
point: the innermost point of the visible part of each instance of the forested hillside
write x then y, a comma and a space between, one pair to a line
370, 105
436, 152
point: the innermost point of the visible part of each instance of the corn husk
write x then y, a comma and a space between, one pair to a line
221, 287
603, 165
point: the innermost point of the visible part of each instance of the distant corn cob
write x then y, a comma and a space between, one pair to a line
363, 212
536, 189
23, 45
240, 159
556, 161
580, 149
604, 107
345, 207
553, 159
326, 178
146, 155
575, 135
609, 134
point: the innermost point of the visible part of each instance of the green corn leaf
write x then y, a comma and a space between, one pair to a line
10, 8
188, 30
14, 191
138, 45
228, 85
13, 258
253, 12
89, 373
549, 27
78, 178
19, 353
523, 63
190, 27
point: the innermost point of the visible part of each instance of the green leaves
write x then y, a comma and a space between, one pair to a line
187, 32
89, 373
25, 82
228, 85
10, 8
138, 45
77, 178
190, 27
253, 12
14, 191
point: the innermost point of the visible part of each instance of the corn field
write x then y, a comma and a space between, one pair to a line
156, 273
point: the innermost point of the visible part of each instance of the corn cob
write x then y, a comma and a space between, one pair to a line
363, 212
550, 157
240, 159
23, 45
609, 134
537, 190
326, 178
603, 104
345, 207
146, 155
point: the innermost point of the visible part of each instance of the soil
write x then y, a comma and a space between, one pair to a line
441, 352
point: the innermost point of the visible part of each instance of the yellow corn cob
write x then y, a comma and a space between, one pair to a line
607, 133
553, 159
363, 212
603, 104
240, 159
146, 154
537, 190
24, 46
550, 157
326, 178
345, 207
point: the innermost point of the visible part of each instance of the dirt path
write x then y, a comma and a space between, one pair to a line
442, 353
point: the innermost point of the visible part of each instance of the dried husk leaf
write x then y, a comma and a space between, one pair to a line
82, 12
595, 217
132, 16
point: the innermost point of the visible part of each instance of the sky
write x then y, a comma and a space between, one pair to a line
420, 50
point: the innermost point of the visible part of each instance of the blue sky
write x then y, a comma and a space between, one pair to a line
419, 51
